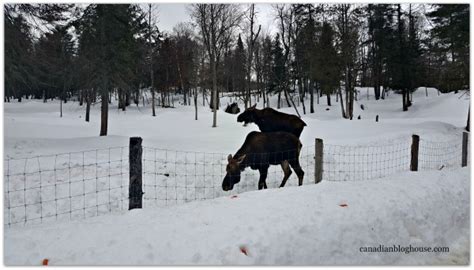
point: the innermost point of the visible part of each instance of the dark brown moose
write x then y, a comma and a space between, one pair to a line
259, 151
270, 120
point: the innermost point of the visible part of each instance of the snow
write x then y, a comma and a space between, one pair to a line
33, 127
294, 225
289, 226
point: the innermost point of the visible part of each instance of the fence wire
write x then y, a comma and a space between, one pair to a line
173, 177
365, 162
79, 185
439, 155
67, 186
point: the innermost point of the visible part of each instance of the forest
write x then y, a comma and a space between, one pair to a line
92, 53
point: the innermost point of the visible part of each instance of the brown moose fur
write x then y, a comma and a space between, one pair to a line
270, 120
259, 151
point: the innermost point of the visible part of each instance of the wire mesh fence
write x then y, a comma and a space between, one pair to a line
66, 186
172, 177
365, 162
79, 185
438, 155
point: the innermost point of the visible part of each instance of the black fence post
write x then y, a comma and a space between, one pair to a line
414, 152
465, 138
135, 191
318, 161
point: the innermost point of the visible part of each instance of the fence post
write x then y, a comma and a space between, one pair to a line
465, 138
318, 161
135, 191
414, 152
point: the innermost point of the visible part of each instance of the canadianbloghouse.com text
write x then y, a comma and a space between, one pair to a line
402, 249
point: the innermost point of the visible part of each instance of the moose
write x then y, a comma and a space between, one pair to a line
259, 151
270, 120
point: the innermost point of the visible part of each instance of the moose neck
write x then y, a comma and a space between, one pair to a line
243, 164
257, 116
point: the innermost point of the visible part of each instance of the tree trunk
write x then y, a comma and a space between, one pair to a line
195, 104
104, 112
81, 97
344, 114
404, 103
214, 92
301, 89
377, 92
329, 99
468, 116
279, 100
311, 98
286, 97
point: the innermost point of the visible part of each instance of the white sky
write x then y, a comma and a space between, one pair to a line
170, 14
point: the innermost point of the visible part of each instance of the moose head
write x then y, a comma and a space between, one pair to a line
233, 170
248, 116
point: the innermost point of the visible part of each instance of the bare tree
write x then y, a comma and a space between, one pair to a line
151, 22
251, 40
216, 23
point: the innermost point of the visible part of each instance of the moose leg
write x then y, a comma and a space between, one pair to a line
286, 170
295, 164
263, 177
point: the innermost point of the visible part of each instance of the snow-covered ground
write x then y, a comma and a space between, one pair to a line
32, 127
210, 231
324, 224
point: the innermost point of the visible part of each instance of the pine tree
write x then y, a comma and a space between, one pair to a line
451, 30
278, 75
239, 69
328, 64
106, 47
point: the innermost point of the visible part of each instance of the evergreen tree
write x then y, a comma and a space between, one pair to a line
278, 72
239, 68
18, 54
106, 46
328, 65
451, 31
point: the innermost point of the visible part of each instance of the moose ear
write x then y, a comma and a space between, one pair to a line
241, 158
229, 157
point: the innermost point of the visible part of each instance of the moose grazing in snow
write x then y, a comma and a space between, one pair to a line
270, 120
259, 151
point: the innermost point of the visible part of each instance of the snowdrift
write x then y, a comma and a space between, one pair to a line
324, 224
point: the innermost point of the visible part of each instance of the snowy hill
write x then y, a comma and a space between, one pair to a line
325, 224
34, 127
315, 224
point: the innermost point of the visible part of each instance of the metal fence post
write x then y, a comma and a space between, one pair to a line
465, 138
318, 161
414, 152
135, 163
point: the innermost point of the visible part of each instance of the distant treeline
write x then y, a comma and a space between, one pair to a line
95, 51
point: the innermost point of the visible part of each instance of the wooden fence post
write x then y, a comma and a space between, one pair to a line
135, 191
414, 152
318, 161
465, 138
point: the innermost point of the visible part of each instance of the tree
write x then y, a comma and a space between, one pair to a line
278, 73
18, 55
328, 69
239, 70
380, 30
251, 40
216, 23
54, 63
106, 46
451, 31
347, 30
186, 58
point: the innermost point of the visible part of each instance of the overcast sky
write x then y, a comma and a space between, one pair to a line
170, 14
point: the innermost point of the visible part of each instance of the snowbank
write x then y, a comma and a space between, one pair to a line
324, 224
